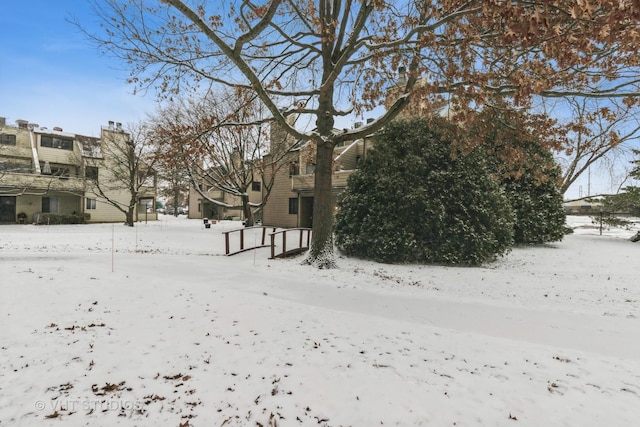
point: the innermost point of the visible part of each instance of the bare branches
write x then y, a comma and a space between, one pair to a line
127, 163
220, 141
595, 131
319, 58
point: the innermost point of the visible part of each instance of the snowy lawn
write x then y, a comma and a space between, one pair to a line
106, 325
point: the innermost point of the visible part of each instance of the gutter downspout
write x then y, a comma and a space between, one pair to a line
354, 143
34, 151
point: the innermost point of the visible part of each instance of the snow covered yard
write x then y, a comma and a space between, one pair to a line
167, 331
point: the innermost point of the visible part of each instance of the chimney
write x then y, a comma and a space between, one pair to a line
3, 121
22, 124
279, 140
119, 127
110, 124
356, 125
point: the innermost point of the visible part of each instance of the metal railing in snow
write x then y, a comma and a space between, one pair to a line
290, 247
290, 241
241, 232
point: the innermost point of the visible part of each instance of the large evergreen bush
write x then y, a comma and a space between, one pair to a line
539, 215
414, 201
523, 163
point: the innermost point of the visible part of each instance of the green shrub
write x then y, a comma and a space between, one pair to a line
56, 219
524, 164
538, 210
412, 201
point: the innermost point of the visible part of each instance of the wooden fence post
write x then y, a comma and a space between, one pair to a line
273, 246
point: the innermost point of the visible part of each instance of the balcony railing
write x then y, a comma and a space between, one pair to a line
306, 182
41, 182
147, 191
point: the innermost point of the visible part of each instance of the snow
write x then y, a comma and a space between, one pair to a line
108, 325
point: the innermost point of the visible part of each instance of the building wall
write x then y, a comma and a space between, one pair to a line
113, 188
200, 207
276, 211
29, 186
55, 155
301, 186
29, 204
348, 157
23, 143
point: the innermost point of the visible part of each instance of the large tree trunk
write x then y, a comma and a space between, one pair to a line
246, 209
129, 217
321, 251
176, 201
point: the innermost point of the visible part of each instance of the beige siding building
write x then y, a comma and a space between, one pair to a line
290, 203
228, 206
101, 161
49, 171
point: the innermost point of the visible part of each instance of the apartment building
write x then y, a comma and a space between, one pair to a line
50, 171
214, 203
290, 203
226, 205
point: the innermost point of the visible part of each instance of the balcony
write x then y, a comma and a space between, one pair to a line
27, 181
147, 191
306, 182
215, 194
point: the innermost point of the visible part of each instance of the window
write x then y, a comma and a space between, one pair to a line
90, 204
145, 204
294, 169
91, 172
256, 186
311, 168
55, 142
6, 139
293, 206
50, 205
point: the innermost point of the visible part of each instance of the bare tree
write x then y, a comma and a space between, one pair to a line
171, 162
329, 58
222, 143
127, 163
174, 185
595, 134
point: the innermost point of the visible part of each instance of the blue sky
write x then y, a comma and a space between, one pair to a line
51, 75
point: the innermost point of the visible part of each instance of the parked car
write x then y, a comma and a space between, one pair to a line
169, 210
